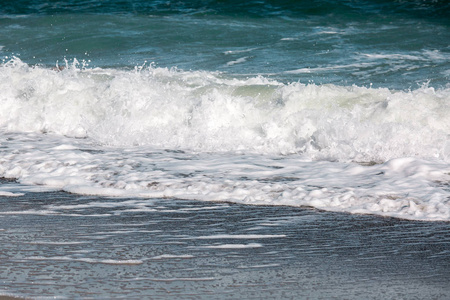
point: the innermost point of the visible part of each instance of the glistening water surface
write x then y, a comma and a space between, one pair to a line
63, 245
209, 148
263, 102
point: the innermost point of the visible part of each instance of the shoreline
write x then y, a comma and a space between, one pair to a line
167, 248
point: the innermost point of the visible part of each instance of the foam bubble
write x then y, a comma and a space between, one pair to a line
231, 246
240, 236
237, 61
89, 260
205, 111
404, 187
160, 133
171, 256
10, 194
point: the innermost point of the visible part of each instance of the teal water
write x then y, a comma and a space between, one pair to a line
225, 149
398, 45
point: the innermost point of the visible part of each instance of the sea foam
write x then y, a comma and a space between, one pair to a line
205, 111
164, 133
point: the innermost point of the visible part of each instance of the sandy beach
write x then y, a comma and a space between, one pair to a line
57, 244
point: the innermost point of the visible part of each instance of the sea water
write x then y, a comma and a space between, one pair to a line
63, 246
341, 106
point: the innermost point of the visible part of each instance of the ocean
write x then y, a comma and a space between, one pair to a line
225, 149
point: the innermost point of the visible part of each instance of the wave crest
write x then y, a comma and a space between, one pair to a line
207, 111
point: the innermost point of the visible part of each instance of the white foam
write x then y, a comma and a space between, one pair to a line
259, 266
55, 243
30, 212
10, 194
394, 56
237, 61
89, 260
253, 141
398, 58
251, 179
172, 279
230, 52
231, 246
330, 68
171, 256
204, 111
239, 236
329, 32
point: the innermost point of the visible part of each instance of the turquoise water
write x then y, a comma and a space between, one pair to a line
397, 45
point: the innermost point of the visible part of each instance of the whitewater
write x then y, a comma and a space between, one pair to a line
216, 149
154, 132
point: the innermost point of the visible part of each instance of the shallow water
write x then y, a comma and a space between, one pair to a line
340, 106
55, 244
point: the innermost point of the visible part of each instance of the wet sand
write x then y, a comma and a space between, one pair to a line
56, 244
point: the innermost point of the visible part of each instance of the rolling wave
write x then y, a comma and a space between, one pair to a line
213, 112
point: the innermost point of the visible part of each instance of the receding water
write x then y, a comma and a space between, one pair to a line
62, 245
